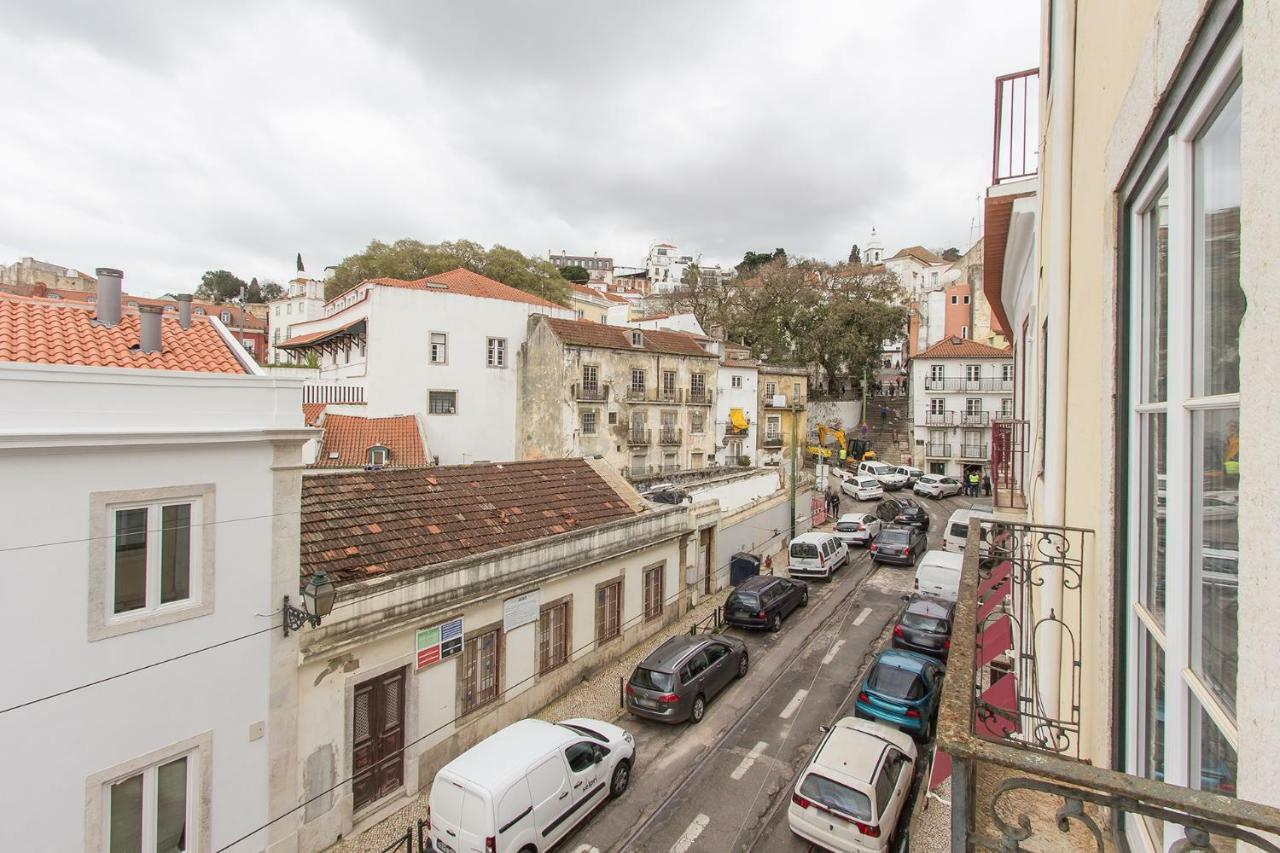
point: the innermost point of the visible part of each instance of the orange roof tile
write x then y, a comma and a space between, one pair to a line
351, 436
963, 348
42, 331
467, 283
311, 413
920, 253
584, 333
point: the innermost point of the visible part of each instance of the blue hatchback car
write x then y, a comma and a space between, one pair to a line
901, 689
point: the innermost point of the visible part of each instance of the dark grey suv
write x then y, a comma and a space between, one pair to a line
678, 678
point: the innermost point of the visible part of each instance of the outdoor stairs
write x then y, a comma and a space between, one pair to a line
891, 437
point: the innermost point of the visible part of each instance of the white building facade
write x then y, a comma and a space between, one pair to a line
959, 389
737, 399
303, 301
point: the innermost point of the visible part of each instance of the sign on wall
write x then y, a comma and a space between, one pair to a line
521, 610
439, 642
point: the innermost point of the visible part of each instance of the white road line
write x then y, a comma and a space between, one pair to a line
691, 834
748, 760
831, 655
794, 704
586, 848
862, 617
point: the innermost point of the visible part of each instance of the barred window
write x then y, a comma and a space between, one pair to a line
553, 636
608, 610
442, 402
653, 577
589, 422
479, 670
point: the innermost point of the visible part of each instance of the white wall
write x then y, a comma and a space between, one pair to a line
675, 323
954, 404
746, 398
737, 494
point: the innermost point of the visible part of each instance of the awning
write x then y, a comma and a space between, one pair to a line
941, 768
1001, 696
992, 591
995, 640
738, 420
329, 336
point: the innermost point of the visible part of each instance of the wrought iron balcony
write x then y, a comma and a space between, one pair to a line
591, 393
1010, 720
973, 451
1008, 463
670, 435
638, 437
940, 418
637, 394
940, 450
772, 440
974, 418
955, 383
701, 397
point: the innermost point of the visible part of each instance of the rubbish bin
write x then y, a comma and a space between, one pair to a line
742, 566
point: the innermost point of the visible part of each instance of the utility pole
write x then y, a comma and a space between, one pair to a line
795, 426
864, 394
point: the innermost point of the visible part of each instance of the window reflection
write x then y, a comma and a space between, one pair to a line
1215, 560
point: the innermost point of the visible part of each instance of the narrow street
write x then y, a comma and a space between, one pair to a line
722, 785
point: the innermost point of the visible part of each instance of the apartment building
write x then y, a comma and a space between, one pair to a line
303, 301
784, 393
599, 269
30, 272
738, 406
643, 399
151, 533
960, 389
1129, 242
440, 348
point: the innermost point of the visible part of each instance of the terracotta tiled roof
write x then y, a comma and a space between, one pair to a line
963, 348
613, 297
351, 436
198, 307
365, 524
467, 283
311, 413
42, 331
920, 253
584, 333
312, 337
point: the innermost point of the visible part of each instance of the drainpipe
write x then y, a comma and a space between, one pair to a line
1058, 268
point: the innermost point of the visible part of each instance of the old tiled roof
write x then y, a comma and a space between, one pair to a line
583, 333
315, 337
963, 348
366, 524
920, 253
129, 300
311, 413
42, 331
584, 291
614, 297
467, 283
347, 439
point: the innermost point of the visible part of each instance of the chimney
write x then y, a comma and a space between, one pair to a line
110, 283
184, 310
151, 315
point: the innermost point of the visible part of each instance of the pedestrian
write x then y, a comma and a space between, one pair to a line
973, 484
986, 485
884, 414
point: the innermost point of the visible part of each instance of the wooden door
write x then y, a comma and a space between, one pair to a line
377, 735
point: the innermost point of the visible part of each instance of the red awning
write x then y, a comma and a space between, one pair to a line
1002, 695
998, 575
995, 640
941, 768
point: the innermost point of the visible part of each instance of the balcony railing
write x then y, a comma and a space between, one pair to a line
974, 418
1008, 462
940, 418
638, 437
701, 397
670, 435
1010, 718
973, 451
332, 392
940, 450
773, 440
591, 393
1014, 147
782, 401
988, 384
654, 395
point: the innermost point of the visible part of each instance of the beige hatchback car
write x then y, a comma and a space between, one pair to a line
851, 794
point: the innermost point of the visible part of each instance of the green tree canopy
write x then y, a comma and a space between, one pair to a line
855, 255
268, 291
412, 259
952, 254
752, 261
575, 274
219, 286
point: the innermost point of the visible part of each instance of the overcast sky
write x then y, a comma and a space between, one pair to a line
170, 138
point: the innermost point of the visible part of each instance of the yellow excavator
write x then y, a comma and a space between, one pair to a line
858, 450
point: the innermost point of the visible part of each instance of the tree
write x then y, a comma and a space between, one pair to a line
412, 259
855, 255
575, 274
269, 290
752, 261
219, 286
952, 254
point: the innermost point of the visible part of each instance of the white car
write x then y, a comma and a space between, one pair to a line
889, 478
863, 489
852, 792
856, 528
936, 486
910, 472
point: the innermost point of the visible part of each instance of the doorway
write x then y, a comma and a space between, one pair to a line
377, 737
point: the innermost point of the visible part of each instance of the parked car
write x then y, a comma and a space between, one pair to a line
957, 531
898, 544
925, 626
901, 689
911, 473
764, 601
936, 486
857, 528
816, 555
888, 477
903, 511
528, 784
939, 574
863, 488
678, 678
851, 794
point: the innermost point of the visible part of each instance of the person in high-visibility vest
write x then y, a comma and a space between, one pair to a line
1231, 458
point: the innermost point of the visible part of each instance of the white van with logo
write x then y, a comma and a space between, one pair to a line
816, 555
938, 574
956, 534
527, 786
889, 477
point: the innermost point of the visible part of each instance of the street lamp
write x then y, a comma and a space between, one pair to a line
317, 602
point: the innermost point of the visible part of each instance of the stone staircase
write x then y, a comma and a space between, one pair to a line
890, 437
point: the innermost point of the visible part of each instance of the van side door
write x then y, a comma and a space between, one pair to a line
551, 795
587, 770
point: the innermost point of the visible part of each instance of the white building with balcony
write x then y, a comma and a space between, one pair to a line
738, 405
959, 389
303, 301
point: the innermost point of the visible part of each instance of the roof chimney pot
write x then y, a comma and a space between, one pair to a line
151, 315
184, 310
110, 284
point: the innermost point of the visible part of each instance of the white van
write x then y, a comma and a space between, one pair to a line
527, 786
889, 478
816, 555
956, 534
939, 574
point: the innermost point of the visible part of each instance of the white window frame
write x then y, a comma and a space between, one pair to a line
378, 454
595, 422
452, 391
225, 317
104, 622
496, 353
735, 382
443, 345
773, 426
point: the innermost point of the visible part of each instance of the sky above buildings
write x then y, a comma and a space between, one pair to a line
171, 138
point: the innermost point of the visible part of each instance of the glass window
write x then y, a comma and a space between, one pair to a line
608, 611
497, 352
653, 592
736, 382
131, 560
442, 402
1155, 500
590, 377
553, 636
175, 553
836, 797
479, 671
581, 757
151, 571
589, 422
439, 348
149, 811
1155, 228
1213, 761
1215, 552
637, 380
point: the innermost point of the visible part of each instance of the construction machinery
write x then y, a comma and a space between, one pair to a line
857, 450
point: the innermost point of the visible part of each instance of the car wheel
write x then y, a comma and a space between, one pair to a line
743, 664
621, 779
775, 624
699, 709
804, 598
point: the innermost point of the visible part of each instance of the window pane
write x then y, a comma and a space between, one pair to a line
131, 560
1213, 761
1220, 300
1155, 510
1156, 263
1215, 555
126, 816
1151, 720
175, 553
171, 807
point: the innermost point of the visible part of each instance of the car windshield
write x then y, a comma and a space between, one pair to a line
837, 797
961, 530
894, 536
878, 470
649, 679
585, 732
920, 622
898, 683
745, 599
804, 550
846, 526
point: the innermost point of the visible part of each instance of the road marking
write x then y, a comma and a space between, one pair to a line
862, 617
586, 848
831, 655
691, 834
745, 764
794, 704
